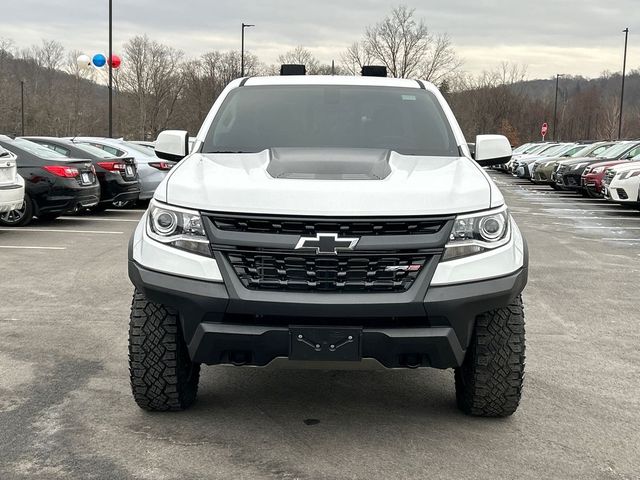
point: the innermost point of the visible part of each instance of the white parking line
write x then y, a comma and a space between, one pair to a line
578, 217
595, 203
90, 219
588, 210
124, 210
612, 228
22, 247
59, 230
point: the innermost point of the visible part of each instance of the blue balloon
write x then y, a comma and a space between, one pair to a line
99, 60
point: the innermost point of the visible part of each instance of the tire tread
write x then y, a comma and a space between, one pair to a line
489, 382
163, 378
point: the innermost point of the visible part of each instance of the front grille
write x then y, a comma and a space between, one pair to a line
258, 270
608, 177
306, 226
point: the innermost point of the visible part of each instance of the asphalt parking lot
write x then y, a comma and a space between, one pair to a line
66, 409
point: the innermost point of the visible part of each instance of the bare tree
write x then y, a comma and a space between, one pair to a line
152, 75
301, 56
354, 58
405, 46
49, 54
440, 61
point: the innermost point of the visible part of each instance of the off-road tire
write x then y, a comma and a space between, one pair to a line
489, 382
163, 378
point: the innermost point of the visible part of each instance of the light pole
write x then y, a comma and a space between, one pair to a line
110, 68
624, 68
22, 103
555, 107
244, 25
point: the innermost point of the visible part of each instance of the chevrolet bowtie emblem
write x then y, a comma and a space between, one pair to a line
327, 243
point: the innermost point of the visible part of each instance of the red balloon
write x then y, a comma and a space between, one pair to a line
115, 61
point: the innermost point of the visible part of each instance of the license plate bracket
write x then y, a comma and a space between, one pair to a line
129, 170
325, 344
86, 180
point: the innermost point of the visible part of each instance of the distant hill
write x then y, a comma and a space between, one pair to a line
56, 102
65, 103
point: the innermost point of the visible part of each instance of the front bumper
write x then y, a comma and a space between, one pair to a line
542, 175
433, 329
570, 180
625, 191
523, 171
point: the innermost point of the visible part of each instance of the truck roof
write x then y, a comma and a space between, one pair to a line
334, 80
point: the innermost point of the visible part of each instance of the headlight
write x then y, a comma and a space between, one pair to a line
477, 233
177, 227
629, 174
579, 166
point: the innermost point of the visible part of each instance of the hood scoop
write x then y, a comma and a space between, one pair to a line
329, 163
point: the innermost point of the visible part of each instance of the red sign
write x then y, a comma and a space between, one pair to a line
543, 130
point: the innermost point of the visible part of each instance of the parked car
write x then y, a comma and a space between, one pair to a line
621, 183
543, 170
569, 174
118, 176
536, 150
54, 184
593, 174
527, 148
151, 169
522, 167
11, 184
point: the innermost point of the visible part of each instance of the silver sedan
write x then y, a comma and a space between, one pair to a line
151, 169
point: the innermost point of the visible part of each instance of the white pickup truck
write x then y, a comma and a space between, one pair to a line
329, 221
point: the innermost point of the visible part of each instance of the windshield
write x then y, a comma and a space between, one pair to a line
95, 151
551, 150
614, 151
536, 148
37, 149
562, 151
521, 148
578, 151
407, 120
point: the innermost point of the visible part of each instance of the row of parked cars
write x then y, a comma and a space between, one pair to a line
598, 169
46, 177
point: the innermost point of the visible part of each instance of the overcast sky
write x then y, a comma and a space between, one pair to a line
579, 37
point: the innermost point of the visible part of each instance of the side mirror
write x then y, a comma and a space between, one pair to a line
172, 145
492, 150
472, 149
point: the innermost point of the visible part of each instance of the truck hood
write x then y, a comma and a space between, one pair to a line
412, 185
